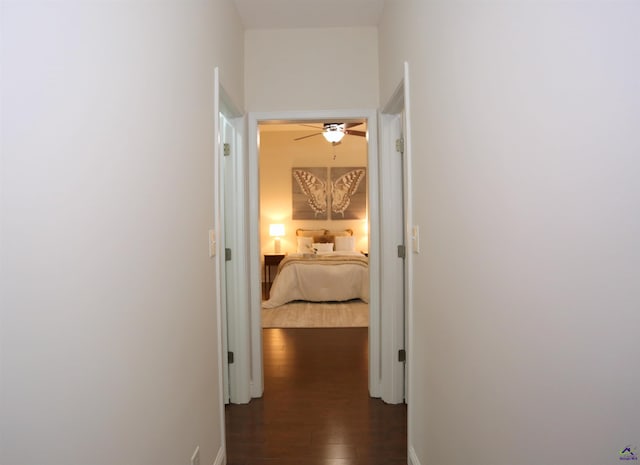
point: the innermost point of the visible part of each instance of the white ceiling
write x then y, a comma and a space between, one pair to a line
270, 14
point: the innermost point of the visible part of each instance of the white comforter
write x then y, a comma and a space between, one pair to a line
336, 276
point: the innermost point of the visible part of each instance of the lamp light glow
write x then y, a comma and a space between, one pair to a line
276, 231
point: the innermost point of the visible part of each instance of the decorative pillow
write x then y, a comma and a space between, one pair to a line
323, 239
345, 244
323, 246
310, 232
342, 232
304, 244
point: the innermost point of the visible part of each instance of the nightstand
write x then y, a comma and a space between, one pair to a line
271, 260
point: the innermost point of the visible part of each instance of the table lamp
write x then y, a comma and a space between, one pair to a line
276, 231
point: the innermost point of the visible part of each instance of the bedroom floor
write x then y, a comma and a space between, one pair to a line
316, 408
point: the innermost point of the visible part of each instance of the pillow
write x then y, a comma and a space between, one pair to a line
310, 232
323, 246
322, 239
304, 244
345, 244
342, 232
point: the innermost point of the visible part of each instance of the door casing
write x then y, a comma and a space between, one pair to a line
229, 128
400, 104
254, 119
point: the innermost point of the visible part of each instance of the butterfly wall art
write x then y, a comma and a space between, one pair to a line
323, 193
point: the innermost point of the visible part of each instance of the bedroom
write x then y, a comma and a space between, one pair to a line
291, 155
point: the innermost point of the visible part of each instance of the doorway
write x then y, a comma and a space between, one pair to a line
311, 384
245, 341
255, 119
313, 196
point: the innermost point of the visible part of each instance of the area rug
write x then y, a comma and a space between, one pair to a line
351, 314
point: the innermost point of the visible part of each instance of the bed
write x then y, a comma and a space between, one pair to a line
325, 268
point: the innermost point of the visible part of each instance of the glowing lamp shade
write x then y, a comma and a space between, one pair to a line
276, 231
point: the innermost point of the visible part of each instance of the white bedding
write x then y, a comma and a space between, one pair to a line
326, 277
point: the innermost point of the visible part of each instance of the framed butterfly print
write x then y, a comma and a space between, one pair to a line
348, 193
310, 194
323, 193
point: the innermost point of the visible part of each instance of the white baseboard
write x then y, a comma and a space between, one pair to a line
220, 458
413, 458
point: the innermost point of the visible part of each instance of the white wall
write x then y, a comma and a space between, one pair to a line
526, 168
108, 339
279, 153
311, 69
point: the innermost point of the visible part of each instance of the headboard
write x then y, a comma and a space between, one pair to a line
323, 235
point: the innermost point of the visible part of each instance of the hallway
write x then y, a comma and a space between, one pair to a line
316, 408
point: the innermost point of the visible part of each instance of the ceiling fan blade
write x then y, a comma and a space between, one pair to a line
352, 125
356, 133
312, 126
306, 137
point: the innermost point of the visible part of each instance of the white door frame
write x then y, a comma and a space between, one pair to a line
399, 105
232, 335
257, 385
392, 274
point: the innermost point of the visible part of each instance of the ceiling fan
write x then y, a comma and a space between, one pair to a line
334, 132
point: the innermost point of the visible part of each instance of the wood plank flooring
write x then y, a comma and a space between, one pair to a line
316, 408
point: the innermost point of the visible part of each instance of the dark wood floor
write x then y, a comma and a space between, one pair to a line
316, 408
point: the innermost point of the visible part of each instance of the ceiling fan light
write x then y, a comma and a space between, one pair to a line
333, 134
